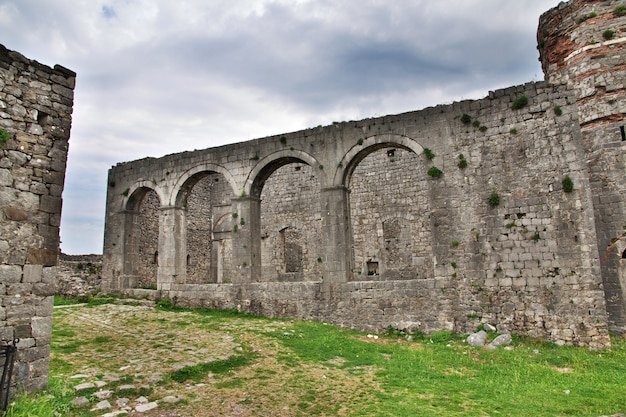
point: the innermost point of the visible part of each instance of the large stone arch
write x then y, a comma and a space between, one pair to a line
141, 238
201, 195
137, 191
183, 183
363, 148
266, 166
389, 209
288, 194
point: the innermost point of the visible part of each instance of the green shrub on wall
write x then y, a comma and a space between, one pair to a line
435, 172
568, 184
519, 103
494, 199
4, 138
462, 161
608, 34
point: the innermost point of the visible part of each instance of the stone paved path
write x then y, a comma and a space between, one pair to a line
129, 349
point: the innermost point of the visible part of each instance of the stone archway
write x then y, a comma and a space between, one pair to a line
141, 240
389, 209
290, 221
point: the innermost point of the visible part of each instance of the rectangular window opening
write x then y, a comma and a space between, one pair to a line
621, 129
372, 268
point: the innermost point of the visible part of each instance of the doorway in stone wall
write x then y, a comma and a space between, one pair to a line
141, 254
206, 198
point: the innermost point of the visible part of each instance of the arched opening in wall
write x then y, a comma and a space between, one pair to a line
206, 197
142, 238
290, 221
389, 214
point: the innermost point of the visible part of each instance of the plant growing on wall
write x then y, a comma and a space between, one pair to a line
494, 199
466, 119
558, 111
283, 140
434, 172
568, 184
620, 10
586, 17
429, 154
519, 103
608, 34
462, 161
4, 138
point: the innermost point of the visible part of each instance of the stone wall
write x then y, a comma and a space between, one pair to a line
507, 210
361, 235
78, 276
582, 45
35, 110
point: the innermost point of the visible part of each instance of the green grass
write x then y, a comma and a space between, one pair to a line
443, 376
197, 373
433, 375
84, 299
52, 402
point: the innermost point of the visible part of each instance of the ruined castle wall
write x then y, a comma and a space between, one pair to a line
582, 44
35, 110
423, 251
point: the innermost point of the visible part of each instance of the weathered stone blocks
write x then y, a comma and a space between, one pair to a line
348, 216
36, 113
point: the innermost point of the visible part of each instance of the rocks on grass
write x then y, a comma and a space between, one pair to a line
480, 339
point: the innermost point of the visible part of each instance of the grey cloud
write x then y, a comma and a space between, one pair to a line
162, 76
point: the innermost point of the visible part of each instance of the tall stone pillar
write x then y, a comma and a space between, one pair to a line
246, 260
172, 247
336, 236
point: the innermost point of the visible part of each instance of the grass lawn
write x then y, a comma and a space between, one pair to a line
226, 363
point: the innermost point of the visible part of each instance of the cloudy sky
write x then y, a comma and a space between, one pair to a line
162, 76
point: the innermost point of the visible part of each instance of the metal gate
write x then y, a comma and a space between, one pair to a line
7, 359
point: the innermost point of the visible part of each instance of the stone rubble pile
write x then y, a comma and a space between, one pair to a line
480, 338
